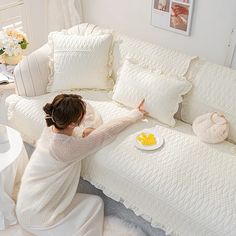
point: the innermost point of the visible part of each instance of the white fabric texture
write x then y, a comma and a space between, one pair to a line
214, 90
8, 177
112, 226
186, 187
86, 218
96, 170
88, 29
13, 160
79, 61
211, 127
53, 173
63, 14
142, 173
31, 74
53, 14
162, 93
69, 149
27, 114
154, 56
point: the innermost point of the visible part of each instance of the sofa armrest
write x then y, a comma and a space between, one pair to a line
31, 74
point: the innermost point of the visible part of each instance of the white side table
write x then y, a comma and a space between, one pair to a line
13, 160
5, 91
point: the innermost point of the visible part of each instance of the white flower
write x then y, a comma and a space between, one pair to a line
10, 42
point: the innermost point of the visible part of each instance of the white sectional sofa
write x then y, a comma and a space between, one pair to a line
186, 187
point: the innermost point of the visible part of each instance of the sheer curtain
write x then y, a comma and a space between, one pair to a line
44, 16
62, 14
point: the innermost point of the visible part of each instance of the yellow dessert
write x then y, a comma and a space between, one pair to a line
147, 140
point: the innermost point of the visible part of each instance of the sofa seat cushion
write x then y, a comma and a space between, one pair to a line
26, 114
186, 187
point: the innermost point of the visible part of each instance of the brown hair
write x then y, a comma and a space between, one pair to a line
65, 109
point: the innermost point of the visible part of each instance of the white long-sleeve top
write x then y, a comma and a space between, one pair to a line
51, 178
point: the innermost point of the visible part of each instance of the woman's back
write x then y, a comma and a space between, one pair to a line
51, 182
48, 189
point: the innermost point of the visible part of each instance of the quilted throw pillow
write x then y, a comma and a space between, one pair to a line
162, 93
79, 62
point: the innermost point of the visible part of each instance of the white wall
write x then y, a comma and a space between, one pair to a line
211, 24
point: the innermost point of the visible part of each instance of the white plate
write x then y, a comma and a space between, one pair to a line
159, 141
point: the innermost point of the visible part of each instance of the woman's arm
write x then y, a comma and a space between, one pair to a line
76, 148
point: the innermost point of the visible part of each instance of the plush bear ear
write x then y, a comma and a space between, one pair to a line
218, 118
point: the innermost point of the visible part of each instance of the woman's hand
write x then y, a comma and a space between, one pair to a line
141, 108
87, 132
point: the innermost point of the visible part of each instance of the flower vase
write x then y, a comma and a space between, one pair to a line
12, 60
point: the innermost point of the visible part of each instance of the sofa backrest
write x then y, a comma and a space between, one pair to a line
214, 86
214, 89
151, 55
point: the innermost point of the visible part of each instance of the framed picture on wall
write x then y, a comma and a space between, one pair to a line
174, 15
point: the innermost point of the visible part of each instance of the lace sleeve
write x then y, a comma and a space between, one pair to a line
69, 148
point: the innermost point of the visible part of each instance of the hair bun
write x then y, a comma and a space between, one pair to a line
48, 109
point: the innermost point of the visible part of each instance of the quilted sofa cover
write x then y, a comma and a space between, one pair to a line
186, 187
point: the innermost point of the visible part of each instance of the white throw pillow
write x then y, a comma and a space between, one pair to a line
162, 93
79, 61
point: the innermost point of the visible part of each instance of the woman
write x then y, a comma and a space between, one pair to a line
47, 202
